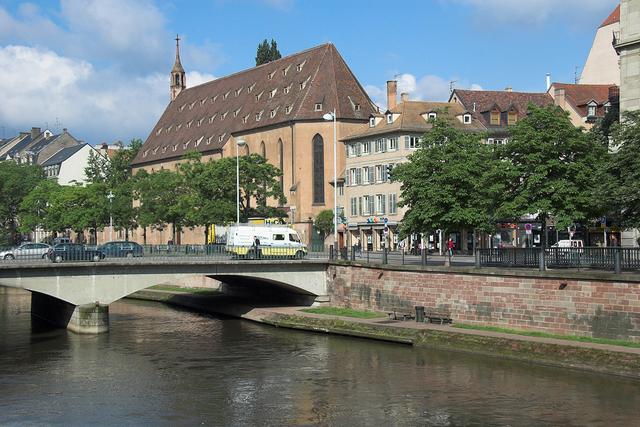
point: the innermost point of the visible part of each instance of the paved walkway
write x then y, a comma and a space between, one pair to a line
412, 324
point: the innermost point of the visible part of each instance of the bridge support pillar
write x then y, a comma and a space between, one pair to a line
81, 319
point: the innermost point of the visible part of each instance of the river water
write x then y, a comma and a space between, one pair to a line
165, 366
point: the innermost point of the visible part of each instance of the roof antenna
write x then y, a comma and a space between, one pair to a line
452, 85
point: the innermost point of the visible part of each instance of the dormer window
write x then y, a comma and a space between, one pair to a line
286, 89
512, 117
433, 116
191, 105
466, 119
272, 113
273, 93
189, 124
226, 95
213, 98
178, 127
221, 137
591, 109
164, 149
212, 118
223, 115
372, 122
299, 66
200, 122
209, 140
270, 76
202, 101
356, 107
182, 107
286, 70
199, 140
145, 153
495, 118
169, 129
155, 150
389, 118
287, 109
318, 106
186, 144
250, 88
245, 119
159, 131
258, 96
235, 113
175, 147
258, 116
238, 91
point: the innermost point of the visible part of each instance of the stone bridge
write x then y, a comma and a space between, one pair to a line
77, 295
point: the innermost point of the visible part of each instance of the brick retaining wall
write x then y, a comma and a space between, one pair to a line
606, 308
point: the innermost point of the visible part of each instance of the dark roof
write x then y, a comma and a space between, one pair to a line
203, 117
411, 119
579, 95
19, 146
63, 155
35, 148
613, 18
482, 101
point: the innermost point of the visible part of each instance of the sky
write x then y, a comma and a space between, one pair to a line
101, 67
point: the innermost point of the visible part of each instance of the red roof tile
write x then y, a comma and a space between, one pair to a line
613, 18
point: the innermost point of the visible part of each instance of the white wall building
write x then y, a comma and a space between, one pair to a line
68, 164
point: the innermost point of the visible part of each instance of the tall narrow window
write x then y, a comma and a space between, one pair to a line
281, 163
318, 169
263, 150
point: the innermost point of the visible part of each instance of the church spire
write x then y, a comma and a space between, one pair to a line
178, 82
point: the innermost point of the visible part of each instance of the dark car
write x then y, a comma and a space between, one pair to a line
121, 249
74, 252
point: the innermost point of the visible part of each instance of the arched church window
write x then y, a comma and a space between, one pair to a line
318, 169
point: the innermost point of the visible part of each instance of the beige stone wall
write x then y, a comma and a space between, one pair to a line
630, 55
602, 66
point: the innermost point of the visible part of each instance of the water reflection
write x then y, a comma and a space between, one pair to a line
166, 366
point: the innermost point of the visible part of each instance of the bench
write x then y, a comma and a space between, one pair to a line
441, 317
400, 314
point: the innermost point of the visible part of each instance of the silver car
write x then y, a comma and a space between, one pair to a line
26, 251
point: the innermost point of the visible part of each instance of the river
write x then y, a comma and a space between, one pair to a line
161, 365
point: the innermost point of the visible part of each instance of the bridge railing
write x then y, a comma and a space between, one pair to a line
213, 251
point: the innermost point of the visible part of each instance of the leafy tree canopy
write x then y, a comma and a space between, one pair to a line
443, 182
324, 222
267, 52
16, 181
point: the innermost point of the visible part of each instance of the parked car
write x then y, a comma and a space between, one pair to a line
74, 252
62, 239
568, 244
121, 249
26, 251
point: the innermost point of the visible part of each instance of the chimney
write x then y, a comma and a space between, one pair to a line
548, 81
404, 96
35, 132
559, 98
508, 89
392, 90
64, 130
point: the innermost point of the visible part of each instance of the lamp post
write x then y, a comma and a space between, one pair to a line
239, 143
110, 196
332, 116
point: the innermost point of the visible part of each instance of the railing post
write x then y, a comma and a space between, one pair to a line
541, 266
353, 253
402, 256
423, 256
616, 261
476, 254
384, 254
331, 252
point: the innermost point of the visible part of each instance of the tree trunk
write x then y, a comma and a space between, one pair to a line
144, 235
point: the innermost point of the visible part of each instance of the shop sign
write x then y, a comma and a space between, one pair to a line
376, 220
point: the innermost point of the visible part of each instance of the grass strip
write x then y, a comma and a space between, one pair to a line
185, 290
609, 341
346, 312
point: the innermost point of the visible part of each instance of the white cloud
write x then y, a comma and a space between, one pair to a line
425, 88
537, 12
104, 72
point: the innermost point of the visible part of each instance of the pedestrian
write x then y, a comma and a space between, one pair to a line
450, 246
256, 246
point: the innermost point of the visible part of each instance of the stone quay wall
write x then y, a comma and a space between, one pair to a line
568, 303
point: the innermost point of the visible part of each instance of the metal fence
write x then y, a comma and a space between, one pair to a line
614, 258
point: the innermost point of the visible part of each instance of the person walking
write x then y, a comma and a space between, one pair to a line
256, 246
450, 246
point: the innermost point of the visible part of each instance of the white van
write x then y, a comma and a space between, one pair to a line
275, 241
568, 244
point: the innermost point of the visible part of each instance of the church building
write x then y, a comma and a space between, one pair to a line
277, 109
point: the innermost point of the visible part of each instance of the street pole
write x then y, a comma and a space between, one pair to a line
335, 184
110, 196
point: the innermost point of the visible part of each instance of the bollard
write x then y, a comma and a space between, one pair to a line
616, 262
419, 313
367, 257
384, 254
477, 258
541, 260
353, 253
402, 256
424, 256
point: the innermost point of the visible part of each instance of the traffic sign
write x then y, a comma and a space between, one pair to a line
528, 227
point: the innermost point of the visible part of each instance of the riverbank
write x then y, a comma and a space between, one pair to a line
594, 357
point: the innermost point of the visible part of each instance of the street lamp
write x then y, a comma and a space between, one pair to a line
332, 116
239, 143
110, 196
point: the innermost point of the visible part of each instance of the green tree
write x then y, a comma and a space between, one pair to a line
267, 52
324, 222
549, 168
444, 182
16, 181
621, 189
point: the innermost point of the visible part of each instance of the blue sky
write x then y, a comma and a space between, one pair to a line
100, 67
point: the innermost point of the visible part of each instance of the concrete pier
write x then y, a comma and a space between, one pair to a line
81, 319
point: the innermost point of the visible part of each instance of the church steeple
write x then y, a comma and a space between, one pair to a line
178, 82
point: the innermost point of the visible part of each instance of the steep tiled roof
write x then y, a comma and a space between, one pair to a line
63, 155
482, 101
613, 18
579, 95
203, 117
411, 119
19, 146
39, 145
